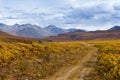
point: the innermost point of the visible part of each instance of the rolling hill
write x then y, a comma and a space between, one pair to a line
9, 38
82, 35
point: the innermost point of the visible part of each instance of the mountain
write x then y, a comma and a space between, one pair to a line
115, 28
4, 34
27, 30
71, 29
33, 31
56, 33
82, 35
8, 38
80, 30
54, 30
13, 28
2, 25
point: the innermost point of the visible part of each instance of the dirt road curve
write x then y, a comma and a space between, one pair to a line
80, 71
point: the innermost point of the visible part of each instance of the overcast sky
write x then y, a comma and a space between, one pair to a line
83, 14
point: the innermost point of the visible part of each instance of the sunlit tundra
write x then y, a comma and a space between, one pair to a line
59, 40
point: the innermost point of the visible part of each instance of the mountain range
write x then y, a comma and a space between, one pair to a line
111, 33
51, 32
33, 31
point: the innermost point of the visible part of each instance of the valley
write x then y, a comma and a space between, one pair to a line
72, 60
59, 40
61, 57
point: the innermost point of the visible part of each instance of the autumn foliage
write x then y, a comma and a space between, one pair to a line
108, 64
33, 61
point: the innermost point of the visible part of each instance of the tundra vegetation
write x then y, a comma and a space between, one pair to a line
108, 60
20, 60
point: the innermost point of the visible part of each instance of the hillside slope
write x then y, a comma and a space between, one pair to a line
78, 35
6, 37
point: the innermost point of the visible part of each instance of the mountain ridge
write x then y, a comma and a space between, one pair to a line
35, 31
54, 30
32, 31
89, 35
115, 28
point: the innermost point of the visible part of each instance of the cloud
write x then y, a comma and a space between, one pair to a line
100, 16
78, 15
64, 13
117, 6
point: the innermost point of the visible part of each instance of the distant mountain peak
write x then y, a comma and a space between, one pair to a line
80, 30
115, 28
26, 25
54, 30
16, 24
71, 29
2, 25
51, 26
